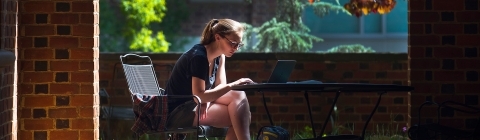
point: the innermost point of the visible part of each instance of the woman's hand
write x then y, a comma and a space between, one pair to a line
241, 81
203, 110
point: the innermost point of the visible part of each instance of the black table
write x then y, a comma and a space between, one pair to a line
326, 87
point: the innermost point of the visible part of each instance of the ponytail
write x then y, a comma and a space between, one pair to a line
208, 36
219, 26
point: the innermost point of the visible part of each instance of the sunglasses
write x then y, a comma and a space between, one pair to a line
234, 45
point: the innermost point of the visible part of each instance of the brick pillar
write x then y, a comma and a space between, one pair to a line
8, 77
58, 70
444, 56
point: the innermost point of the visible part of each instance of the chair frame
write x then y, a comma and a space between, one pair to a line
437, 127
134, 82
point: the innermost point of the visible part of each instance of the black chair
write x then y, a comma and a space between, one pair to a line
141, 78
437, 129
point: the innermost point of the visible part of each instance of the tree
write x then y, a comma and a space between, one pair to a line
286, 32
140, 14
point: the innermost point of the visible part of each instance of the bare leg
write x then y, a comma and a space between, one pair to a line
231, 110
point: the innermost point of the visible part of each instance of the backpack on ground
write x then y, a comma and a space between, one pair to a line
272, 132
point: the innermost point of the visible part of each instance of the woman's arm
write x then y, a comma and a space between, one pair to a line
198, 85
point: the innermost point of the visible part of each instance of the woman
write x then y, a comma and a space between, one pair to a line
201, 71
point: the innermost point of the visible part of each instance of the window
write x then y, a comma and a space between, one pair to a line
383, 33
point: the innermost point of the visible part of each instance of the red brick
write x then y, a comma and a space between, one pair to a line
83, 30
28, 66
298, 75
24, 135
314, 66
467, 63
38, 6
87, 88
424, 64
82, 76
467, 16
87, 42
417, 75
38, 101
332, 75
64, 42
37, 77
447, 52
87, 66
416, 29
38, 54
25, 113
397, 75
448, 5
82, 123
398, 109
469, 88
281, 100
87, 18
81, 100
81, 53
86, 112
448, 76
27, 19
70, 65
425, 88
417, 5
60, 18
38, 30
38, 124
25, 88
439, 29
82, 6
64, 88
364, 75
63, 113
467, 40
87, 135
416, 52
254, 65
424, 16
348, 66
25, 42
63, 134
443, 98
424, 40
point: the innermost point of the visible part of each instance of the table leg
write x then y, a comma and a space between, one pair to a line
310, 113
373, 112
330, 112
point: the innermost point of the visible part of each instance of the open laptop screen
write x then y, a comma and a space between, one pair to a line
281, 72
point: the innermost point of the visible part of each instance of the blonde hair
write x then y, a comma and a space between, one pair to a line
222, 27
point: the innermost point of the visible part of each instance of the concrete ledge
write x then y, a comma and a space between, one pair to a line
335, 57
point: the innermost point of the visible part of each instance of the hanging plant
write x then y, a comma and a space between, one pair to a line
364, 7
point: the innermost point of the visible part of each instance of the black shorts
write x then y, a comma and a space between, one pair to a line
182, 116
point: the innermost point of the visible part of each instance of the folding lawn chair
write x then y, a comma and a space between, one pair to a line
150, 103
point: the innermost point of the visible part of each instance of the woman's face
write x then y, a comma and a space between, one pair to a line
231, 43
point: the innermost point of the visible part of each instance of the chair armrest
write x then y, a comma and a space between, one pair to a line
420, 109
455, 106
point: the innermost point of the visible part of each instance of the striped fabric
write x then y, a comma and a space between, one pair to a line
151, 113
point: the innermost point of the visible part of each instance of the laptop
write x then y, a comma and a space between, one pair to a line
282, 71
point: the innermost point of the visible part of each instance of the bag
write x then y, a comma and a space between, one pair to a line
273, 133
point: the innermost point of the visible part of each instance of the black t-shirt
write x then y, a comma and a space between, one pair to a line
192, 63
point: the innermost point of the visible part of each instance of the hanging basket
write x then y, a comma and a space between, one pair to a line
364, 7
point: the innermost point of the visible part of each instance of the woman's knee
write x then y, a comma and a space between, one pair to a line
238, 95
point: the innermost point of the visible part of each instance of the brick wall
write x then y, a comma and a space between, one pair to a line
58, 69
8, 94
290, 108
444, 56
